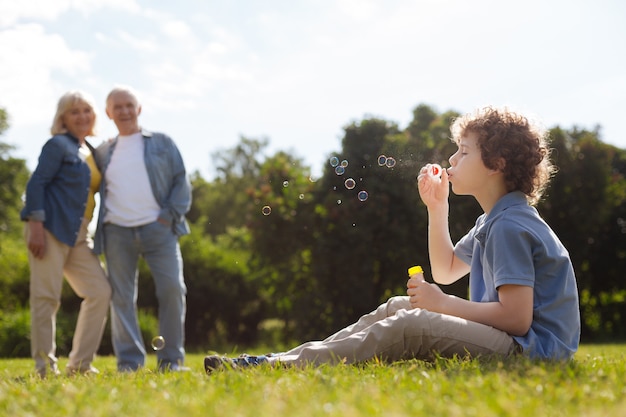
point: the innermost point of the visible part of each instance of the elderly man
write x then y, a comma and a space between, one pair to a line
145, 194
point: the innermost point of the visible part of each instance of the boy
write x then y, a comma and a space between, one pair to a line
523, 295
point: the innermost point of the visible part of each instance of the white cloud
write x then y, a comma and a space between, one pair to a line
177, 29
144, 44
185, 69
29, 60
88, 7
360, 10
12, 11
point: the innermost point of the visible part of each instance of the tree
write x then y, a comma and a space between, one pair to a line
267, 246
13, 177
224, 299
4, 120
223, 202
363, 245
282, 222
13, 262
225, 296
586, 205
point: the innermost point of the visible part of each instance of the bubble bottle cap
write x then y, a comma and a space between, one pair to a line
415, 270
435, 170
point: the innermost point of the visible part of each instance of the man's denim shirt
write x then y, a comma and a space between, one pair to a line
57, 191
168, 180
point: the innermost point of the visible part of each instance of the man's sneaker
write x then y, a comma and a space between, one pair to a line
214, 363
53, 371
173, 367
90, 370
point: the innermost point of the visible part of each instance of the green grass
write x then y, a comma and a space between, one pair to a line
594, 384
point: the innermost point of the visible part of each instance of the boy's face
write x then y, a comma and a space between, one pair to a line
467, 173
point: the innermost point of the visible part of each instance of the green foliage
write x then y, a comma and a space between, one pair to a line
283, 234
363, 248
15, 333
13, 178
590, 385
586, 207
224, 202
604, 314
224, 300
4, 120
14, 273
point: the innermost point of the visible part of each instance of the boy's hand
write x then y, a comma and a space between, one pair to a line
424, 295
433, 190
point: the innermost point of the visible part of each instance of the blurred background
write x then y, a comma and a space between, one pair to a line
260, 96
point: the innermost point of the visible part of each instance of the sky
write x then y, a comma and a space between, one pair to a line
296, 72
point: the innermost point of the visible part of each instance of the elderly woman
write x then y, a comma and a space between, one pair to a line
59, 207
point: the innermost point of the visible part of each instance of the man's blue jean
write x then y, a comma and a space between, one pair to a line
159, 247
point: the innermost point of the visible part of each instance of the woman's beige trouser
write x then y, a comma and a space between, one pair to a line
86, 277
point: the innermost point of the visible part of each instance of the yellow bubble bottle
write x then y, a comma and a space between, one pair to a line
415, 270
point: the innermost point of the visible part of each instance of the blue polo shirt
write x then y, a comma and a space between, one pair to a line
56, 193
514, 245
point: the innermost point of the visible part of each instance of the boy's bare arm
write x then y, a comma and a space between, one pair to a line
446, 268
513, 313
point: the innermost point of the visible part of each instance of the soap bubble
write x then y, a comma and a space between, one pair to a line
362, 196
339, 170
391, 162
158, 343
334, 161
382, 160
285, 183
350, 183
344, 163
266, 210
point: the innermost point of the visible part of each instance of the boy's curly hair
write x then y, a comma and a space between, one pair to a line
510, 142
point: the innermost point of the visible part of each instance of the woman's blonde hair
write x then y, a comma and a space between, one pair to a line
65, 103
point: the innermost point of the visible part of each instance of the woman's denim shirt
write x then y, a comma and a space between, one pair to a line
56, 193
168, 180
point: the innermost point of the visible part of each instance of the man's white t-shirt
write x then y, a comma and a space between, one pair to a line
129, 200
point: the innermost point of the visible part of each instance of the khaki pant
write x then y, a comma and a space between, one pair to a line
395, 331
85, 275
